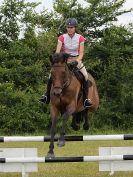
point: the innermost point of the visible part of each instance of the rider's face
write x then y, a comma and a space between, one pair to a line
71, 30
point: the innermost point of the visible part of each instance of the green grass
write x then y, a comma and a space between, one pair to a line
83, 169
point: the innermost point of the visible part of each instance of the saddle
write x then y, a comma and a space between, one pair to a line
73, 68
80, 77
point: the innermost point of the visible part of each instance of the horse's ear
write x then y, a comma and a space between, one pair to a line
66, 56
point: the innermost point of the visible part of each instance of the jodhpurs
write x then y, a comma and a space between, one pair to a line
80, 66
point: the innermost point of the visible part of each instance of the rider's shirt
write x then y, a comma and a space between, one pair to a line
71, 45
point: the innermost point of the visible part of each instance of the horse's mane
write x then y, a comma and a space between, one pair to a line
59, 57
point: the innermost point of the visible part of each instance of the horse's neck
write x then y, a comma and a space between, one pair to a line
69, 73
72, 79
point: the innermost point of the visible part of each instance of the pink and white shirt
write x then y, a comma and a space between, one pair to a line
71, 45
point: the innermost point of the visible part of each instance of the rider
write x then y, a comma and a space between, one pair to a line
73, 44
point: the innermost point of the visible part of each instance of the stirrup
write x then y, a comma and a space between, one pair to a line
43, 99
87, 103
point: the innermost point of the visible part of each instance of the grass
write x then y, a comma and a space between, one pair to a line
83, 169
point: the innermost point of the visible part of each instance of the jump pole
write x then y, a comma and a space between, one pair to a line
67, 138
66, 159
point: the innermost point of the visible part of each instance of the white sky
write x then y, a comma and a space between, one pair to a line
123, 19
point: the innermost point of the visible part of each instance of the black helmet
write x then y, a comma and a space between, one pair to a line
71, 22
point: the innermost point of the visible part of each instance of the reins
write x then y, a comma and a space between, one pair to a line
68, 81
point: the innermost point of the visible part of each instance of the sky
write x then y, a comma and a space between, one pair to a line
122, 20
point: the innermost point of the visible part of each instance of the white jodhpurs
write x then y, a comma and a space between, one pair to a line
80, 66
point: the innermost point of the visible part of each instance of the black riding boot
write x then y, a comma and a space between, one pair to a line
46, 97
87, 101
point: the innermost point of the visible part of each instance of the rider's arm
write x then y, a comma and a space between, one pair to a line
59, 46
81, 54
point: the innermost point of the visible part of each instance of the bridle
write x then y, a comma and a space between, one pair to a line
66, 83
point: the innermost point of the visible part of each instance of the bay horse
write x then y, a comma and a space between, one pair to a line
65, 99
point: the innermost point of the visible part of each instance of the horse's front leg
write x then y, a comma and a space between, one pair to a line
61, 140
69, 111
51, 146
54, 114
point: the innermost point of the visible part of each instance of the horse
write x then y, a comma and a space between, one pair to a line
66, 98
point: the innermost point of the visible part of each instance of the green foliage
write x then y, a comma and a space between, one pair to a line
20, 111
25, 65
114, 73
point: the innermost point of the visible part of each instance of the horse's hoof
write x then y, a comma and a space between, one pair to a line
61, 143
50, 155
86, 127
75, 127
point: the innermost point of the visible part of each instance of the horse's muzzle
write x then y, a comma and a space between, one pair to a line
57, 91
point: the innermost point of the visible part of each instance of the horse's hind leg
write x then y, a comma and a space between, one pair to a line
61, 140
86, 120
76, 121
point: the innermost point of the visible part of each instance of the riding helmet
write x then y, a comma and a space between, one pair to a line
71, 22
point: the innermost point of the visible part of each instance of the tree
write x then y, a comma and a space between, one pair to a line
21, 70
28, 38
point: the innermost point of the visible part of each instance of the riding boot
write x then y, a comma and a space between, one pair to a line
87, 101
46, 97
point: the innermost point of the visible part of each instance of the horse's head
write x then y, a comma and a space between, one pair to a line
59, 72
